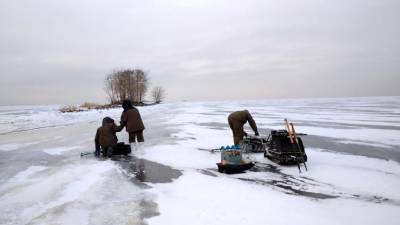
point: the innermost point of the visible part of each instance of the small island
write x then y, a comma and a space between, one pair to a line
119, 85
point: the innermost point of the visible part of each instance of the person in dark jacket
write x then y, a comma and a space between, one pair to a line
132, 120
236, 122
106, 138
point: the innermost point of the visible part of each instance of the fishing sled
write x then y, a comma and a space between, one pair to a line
232, 168
232, 161
254, 144
285, 147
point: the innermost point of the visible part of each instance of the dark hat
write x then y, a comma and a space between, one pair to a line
107, 120
126, 104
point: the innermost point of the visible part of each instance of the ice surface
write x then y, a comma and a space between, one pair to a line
365, 143
22, 176
11, 147
27, 118
196, 198
72, 194
378, 136
60, 150
337, 189
46, 182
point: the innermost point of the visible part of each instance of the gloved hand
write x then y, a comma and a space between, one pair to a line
244, 133
256, 133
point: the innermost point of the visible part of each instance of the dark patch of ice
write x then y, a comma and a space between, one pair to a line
288, 188
146, 171
300, 185
148, 209
214, 125
208, 173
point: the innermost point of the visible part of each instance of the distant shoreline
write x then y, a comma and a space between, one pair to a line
225, 100
86, 107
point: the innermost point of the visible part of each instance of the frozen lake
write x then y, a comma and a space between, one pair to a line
353, 145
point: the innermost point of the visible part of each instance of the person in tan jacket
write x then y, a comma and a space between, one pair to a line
106, 138
132, 120
236, 122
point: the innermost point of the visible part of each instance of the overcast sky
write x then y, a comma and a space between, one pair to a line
58, 52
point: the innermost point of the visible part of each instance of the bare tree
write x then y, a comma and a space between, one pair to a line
158, 94
126, 84
141, 84
110, 88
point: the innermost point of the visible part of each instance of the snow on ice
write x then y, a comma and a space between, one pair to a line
53, 185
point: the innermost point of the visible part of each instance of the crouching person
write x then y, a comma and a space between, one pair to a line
236, 122
106, 140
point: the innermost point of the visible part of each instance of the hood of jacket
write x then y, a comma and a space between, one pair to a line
107, 120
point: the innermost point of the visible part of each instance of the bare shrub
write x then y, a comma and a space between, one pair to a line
69, 108
158, 94
89, 105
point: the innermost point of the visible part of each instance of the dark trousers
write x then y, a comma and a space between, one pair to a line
237, 131
137, 135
